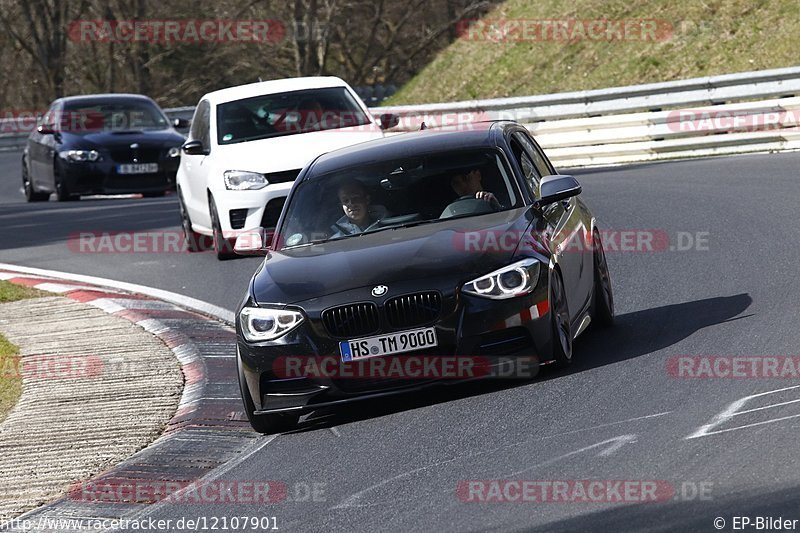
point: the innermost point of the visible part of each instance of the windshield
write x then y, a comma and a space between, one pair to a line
112, 117
394, 194
276, 115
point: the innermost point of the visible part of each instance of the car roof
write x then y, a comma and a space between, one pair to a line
104, 97
272, 87
478, 135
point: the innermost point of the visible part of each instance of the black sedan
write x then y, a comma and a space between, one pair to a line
101, 144
419, 259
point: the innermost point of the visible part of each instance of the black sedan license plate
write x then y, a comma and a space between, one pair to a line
404, 341
137, 168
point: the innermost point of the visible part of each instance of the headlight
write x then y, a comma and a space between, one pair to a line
517, 279
265, 324
80, 155
175, 151
241, 180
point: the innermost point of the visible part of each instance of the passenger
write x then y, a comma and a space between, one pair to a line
469, 186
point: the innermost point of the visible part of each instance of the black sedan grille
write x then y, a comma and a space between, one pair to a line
352, 320
412, 310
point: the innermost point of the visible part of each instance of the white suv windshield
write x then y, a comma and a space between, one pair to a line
276, 115
399, 193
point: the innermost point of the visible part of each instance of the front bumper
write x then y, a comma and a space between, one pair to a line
303, 371
242, 211
101, 177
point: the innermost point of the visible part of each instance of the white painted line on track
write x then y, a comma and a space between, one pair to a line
734, 409
645, 417
611, 446
61, 287
171, 297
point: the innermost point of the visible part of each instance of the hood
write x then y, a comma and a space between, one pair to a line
462, 248
111, 139
290, 152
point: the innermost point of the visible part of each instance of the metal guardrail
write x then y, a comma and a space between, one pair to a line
744, 112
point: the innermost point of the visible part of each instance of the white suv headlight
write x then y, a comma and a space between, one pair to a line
265, 324
242, 180
517, 279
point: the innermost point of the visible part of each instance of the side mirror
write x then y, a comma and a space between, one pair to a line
180, 123
45, 129
194, 148
253, 243
555, 188
389, 120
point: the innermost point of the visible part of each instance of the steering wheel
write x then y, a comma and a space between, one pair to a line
467, 205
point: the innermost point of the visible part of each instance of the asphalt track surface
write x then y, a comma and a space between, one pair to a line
616, 414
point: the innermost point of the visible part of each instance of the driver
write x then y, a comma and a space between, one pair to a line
469, 185
359, 214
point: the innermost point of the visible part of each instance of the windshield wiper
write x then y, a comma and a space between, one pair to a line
402, 225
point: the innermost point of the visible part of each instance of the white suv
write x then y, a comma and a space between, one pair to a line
247, 144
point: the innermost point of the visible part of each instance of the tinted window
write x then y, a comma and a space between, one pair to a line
50, 118
539, 160
276, 115
529, 171
200, 124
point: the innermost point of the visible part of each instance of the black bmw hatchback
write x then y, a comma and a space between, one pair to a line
101, 144
419, 259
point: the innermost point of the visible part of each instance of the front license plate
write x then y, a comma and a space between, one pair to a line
138, 168
405, 341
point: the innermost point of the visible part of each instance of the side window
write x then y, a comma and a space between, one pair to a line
51, 117
200, 124
529, 170
539, 160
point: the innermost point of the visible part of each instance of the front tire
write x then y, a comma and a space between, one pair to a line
559, 317
31, 195
265, 424
603, 295
62, 191
222, 247
194, 240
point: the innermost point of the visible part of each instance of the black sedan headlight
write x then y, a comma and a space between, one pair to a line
261, 324
517, 279
80, 156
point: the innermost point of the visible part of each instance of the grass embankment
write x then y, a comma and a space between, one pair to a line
693, 39
10, 378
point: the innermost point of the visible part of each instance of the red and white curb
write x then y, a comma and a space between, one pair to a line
209, 428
